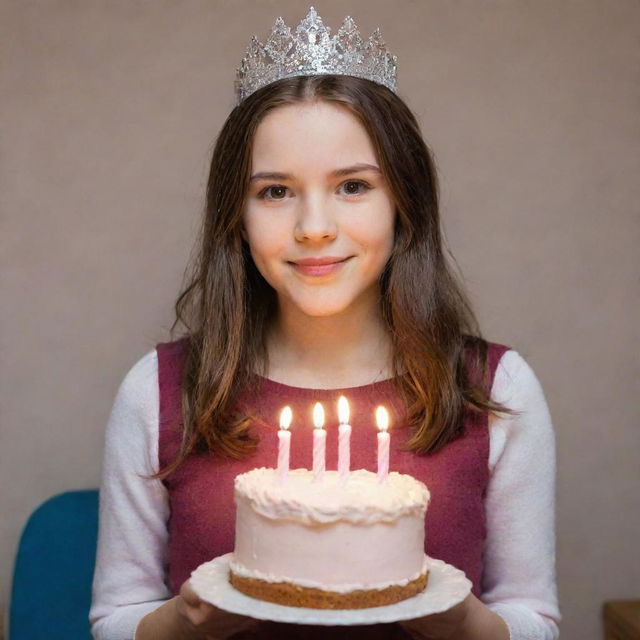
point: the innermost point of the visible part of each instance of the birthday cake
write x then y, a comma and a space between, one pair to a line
329, 544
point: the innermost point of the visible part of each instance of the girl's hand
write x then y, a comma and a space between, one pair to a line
202, 620
469, 620
439, 626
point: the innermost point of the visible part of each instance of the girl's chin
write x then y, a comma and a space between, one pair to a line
317, 308
324, 305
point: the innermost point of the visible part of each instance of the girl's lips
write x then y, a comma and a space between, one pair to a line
315, 268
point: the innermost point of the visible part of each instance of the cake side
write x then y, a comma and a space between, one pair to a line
333, 555
327, 544
239, 570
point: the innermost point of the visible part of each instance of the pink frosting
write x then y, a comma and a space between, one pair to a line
364, 534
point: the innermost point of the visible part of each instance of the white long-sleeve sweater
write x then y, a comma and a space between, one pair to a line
519, 564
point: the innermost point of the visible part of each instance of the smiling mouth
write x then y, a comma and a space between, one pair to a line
319, 267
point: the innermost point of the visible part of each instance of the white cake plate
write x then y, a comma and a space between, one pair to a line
446, 587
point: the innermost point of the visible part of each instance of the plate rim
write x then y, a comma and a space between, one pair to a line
324, 617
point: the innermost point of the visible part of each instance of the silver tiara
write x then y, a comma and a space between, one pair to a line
312, 52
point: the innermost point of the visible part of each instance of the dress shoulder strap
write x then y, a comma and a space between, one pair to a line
494, 353
171, 360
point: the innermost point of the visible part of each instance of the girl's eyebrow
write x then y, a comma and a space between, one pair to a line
336, 173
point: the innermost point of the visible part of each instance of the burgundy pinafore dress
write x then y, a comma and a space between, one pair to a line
202, 511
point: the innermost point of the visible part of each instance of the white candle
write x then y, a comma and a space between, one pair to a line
284, 443
382, 419
319, 443
344, 440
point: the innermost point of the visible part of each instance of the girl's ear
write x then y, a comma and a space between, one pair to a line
243, 233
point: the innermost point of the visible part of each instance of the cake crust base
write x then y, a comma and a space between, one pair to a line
293, 595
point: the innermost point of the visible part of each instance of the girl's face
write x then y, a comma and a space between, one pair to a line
319, 218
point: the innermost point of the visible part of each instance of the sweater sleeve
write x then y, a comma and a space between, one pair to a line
519, 578
129, 578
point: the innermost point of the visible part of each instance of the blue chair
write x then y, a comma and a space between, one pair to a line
51, 590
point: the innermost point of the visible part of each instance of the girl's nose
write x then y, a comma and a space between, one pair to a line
315, 220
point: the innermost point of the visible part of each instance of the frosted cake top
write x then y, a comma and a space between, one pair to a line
362, 500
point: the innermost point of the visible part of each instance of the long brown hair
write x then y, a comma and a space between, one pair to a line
226, 305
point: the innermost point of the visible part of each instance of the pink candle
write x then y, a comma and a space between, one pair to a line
384, 440
284, 443
319, 443
344, 440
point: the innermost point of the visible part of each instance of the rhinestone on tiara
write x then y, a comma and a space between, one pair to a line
312, 52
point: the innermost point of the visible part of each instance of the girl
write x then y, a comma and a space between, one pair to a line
321, 272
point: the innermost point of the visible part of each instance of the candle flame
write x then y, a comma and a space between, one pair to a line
318, 416
382, 418
285, 418
343, 410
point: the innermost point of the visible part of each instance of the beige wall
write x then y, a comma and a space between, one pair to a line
109, 111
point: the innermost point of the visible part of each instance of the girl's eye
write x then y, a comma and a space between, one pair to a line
355, 187
273, 192
278, 191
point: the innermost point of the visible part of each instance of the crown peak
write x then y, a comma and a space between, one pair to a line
311, 51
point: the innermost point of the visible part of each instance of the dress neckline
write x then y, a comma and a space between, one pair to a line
273, 385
